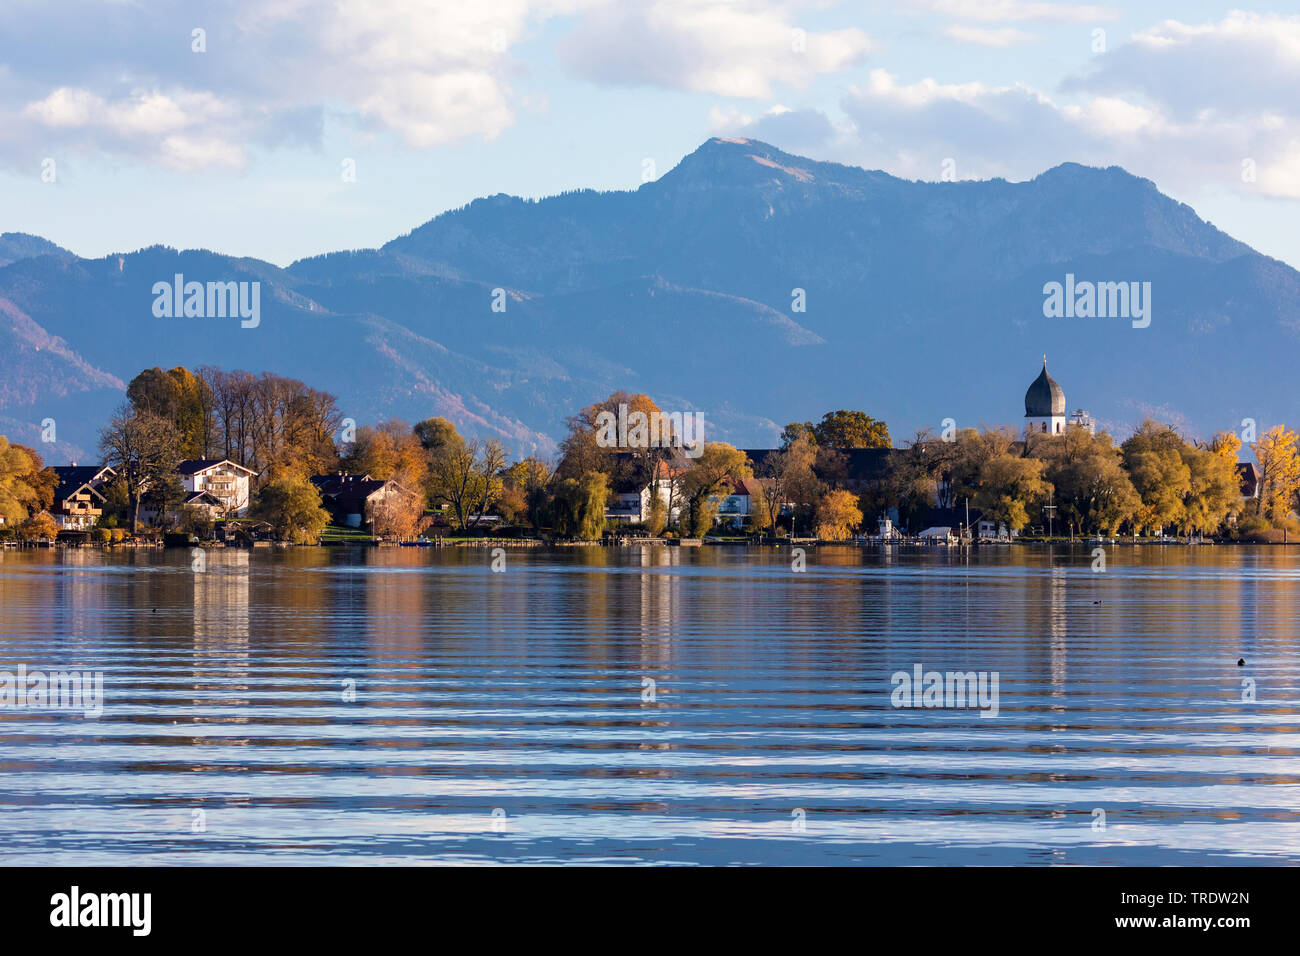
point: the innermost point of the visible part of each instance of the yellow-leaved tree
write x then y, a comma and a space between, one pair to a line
1279, 473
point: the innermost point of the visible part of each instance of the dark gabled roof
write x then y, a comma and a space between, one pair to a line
342, 483
74, 477
865, 464
860, 464
204, 498
352, 489
192, 466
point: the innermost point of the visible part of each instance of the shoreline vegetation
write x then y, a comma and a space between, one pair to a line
840, 480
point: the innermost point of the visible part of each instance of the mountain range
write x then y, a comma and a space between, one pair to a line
751, 284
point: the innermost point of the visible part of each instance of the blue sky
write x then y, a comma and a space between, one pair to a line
240, 148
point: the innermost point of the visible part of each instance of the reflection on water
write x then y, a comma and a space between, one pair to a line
653, 705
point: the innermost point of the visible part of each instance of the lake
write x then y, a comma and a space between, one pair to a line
654, 705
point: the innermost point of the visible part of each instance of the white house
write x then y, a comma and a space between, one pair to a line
632, 499
224, 480
79, 497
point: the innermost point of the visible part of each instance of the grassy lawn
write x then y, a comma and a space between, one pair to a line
336, 532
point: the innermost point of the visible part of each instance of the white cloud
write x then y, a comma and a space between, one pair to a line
425, 74
143, 120
65, 108
189, 154
1015, 11
997, 38
711, 46
1183, 105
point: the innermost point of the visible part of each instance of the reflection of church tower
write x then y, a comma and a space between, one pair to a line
1045, 405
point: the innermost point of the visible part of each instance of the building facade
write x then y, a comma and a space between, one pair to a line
221, 481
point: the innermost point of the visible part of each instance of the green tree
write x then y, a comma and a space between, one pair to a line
291, 504
1012, 488
1090, 486
851, 429
1153, 458
579, 506
434, 433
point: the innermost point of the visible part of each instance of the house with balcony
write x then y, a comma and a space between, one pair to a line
79, 497
220, 487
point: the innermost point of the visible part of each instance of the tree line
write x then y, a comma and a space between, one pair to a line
286, 432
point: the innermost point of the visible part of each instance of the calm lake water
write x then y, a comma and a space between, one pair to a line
509, 717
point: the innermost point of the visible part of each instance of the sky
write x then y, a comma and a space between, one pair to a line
281, 129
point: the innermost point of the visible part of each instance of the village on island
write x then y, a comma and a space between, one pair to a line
231, 458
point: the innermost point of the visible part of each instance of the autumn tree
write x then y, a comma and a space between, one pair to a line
837, 515
270, 422
1213, 489
38, 527
960, 462
709, 480
466, 474
581, 450
1226, 445
523, 491
787, 477
1279, 473
915, 474
397, 515
26, 485
389, 451
657, 515
180, 397
1090, 486
143, 449
434, 433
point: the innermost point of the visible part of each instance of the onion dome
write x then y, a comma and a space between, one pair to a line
1045, 399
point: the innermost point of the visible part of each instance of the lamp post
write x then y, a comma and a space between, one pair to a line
1050, 510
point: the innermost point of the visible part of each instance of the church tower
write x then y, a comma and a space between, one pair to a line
1045, 405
